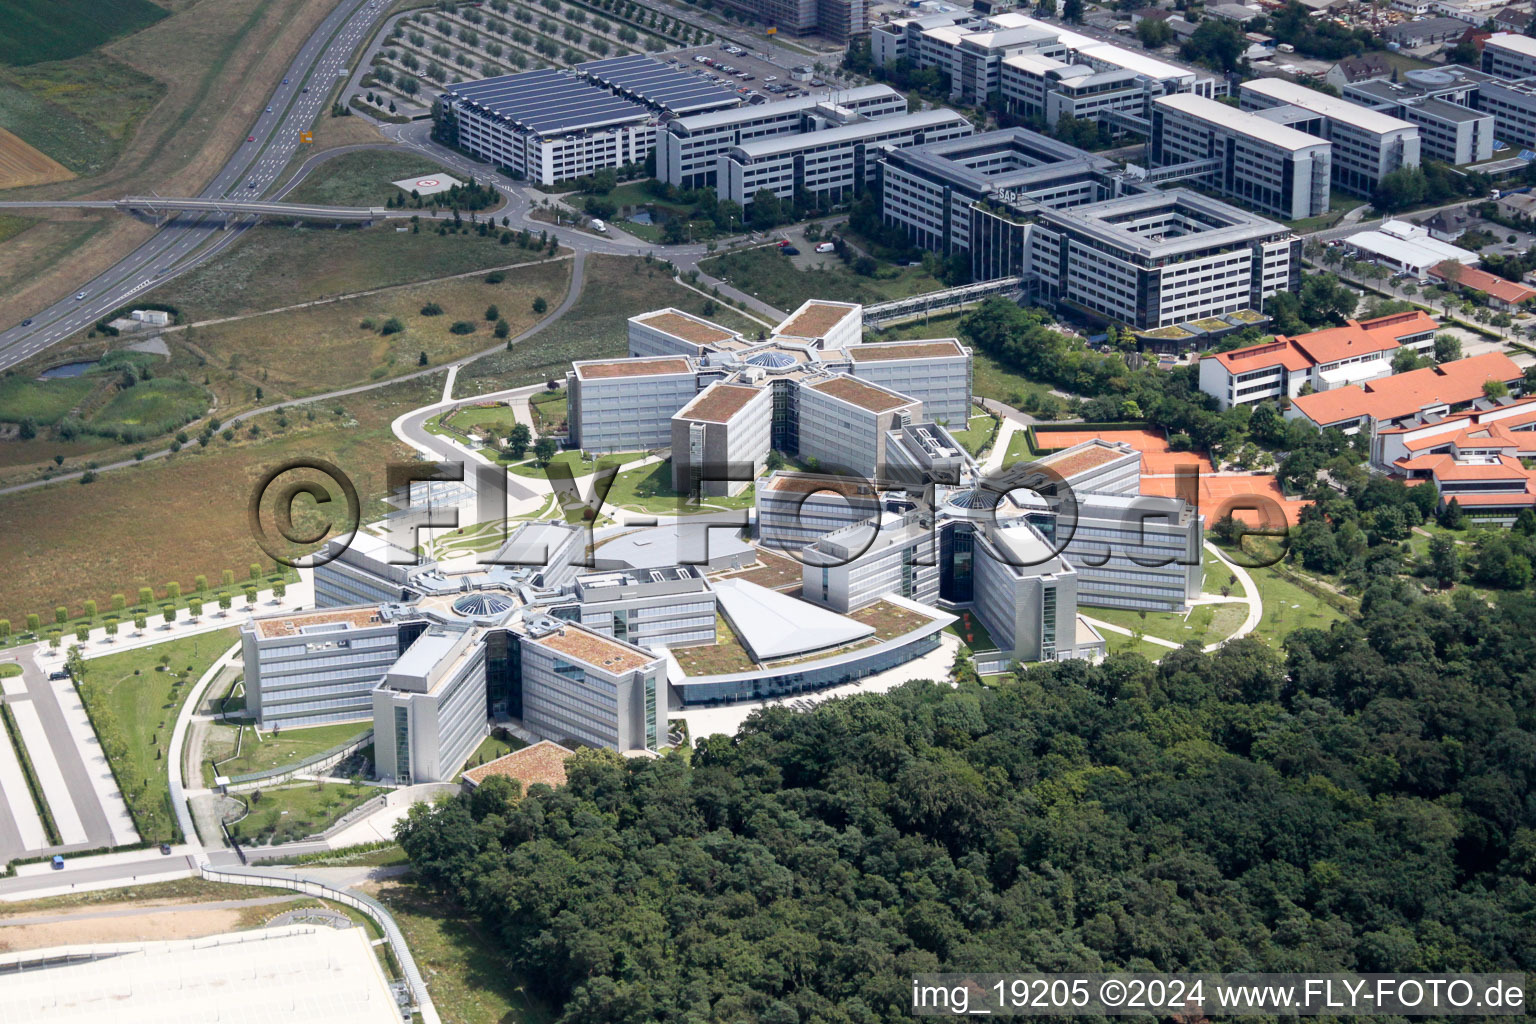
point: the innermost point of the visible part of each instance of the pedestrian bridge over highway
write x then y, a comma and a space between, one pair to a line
165, 205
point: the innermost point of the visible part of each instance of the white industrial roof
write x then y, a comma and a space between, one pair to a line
1035, 63
1240, 121
1523, 45
774, 625
315, 974
1140, 63
1411, 252
1330, 107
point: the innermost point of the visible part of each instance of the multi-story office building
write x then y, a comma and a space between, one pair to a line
583, 686
794, 509
965, 195
666, 606
837, 21
843, 422
306, 668
1513, 106
937, 372
1135, 551
1160, 258
1322, 360
836, 162
555, 125
429, 712
626, 405
672, 332
1507, 55
1367, 144
369, 570
689, 149
1024, 593
1446, 104
855, 566
727, 431
1276, 169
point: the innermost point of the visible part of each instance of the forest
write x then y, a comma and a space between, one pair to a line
1361, 800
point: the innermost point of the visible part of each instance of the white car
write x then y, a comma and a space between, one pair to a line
79, 296
826, 247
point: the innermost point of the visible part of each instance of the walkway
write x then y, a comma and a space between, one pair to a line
1250, 598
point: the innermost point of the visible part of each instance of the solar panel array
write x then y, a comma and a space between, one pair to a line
659, 84
550, 101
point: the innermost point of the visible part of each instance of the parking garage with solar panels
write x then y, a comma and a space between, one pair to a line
659, 85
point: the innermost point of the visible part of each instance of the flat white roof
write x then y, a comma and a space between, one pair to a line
319, 975
1240, 121
1035, 63
1416, 252
1330, 107
775, 625
1140, 63
774, 145
737, 115
1523, 45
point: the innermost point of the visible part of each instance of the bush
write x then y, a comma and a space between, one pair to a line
431, 309
391, 326
462, 327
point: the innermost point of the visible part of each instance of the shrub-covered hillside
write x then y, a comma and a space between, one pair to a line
1363, 801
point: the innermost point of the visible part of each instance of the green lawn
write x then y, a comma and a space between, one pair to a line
133, 704
990, 379
9, 669
1218, 574
1119, 643
772, 277
649, 489
262, 751
1288, 607
550, 409
1019, 448
499, 417
43, 30
470, 982
1205, 623
616, 288
971, 632
297, 811
156, 406
579, 466
43, 401
364, 178
977, 435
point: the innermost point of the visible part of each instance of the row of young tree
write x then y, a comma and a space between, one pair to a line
1359, 803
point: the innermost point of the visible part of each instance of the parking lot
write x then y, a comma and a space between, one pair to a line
766, 77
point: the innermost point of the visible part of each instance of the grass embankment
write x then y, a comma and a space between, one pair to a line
773, 277
133, 699
365, 178
615, 288
297, 811
192, 533
469, 981
262, 751
978, 434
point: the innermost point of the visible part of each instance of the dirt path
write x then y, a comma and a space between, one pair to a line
129, 922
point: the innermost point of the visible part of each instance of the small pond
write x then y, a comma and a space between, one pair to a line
64, 370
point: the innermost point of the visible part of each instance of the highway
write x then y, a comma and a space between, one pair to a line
249, 173
223, 207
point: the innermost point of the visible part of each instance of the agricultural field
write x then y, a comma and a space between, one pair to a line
373, 337
615, 288
43, 30
363, 179
77, 112
190, 507
21, 165
773, 277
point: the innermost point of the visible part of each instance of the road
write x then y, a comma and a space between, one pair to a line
252, 170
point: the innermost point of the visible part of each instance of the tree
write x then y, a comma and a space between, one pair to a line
280, 590
544, 449
1217, 44
502, 329
492, 314
1495, 388
225, 602
767, 209
1400, 189
254, 571
250, 596
539, 305
140, 622
1153, 33
5, 629
33, 622
1406, 359
90, 609
61, 614
1326, 299
1447, 348
194, 608
228, 577
1452, 517
1072, 12
146, 595
518, 439
394, 325
173, 591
